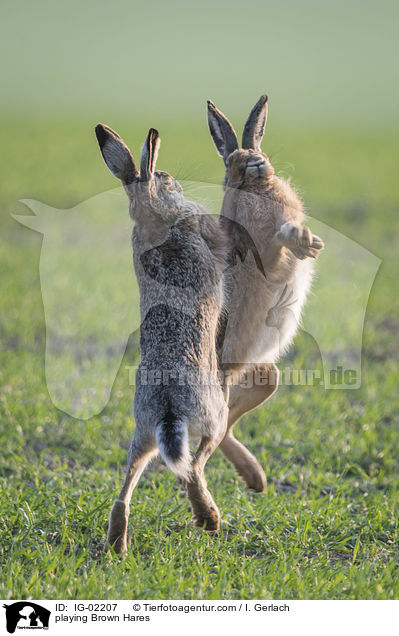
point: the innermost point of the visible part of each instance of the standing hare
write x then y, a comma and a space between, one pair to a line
265, 303
179, 259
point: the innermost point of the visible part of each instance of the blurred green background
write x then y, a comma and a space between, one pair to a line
321, 62
328, 526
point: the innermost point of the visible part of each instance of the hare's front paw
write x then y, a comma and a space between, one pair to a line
300, 240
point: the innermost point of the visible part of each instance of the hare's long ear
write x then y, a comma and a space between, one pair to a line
149, 154
116, 154
222, 132
256, 123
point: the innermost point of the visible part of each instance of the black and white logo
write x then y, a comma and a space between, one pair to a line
26, 615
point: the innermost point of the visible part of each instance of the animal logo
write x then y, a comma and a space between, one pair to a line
26, 615
91, 300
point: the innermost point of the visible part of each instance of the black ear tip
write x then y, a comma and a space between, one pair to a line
263, 99
152, 135
101, 134
211, 105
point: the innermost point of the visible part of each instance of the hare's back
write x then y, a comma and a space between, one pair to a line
182, 261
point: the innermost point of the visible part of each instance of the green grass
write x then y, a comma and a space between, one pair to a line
328, 526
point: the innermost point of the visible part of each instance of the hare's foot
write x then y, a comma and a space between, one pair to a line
117, 528
205, 512
208, 519
245, 463
300, 240
255, 478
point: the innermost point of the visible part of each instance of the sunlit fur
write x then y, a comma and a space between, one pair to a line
267, 290
262, 203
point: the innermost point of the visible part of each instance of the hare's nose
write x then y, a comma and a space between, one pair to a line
256, 166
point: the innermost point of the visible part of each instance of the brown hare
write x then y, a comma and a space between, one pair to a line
179, 259
264, 302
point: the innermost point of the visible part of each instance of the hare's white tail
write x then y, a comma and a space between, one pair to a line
172, 441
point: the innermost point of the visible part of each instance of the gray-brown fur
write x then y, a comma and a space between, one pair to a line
263, 309
179, 259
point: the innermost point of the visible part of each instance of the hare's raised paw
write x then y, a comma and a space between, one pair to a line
300, 240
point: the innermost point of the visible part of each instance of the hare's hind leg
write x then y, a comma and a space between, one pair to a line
242, 400
141, 452
205, 511
244, 462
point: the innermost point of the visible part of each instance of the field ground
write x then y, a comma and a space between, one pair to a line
327, 528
